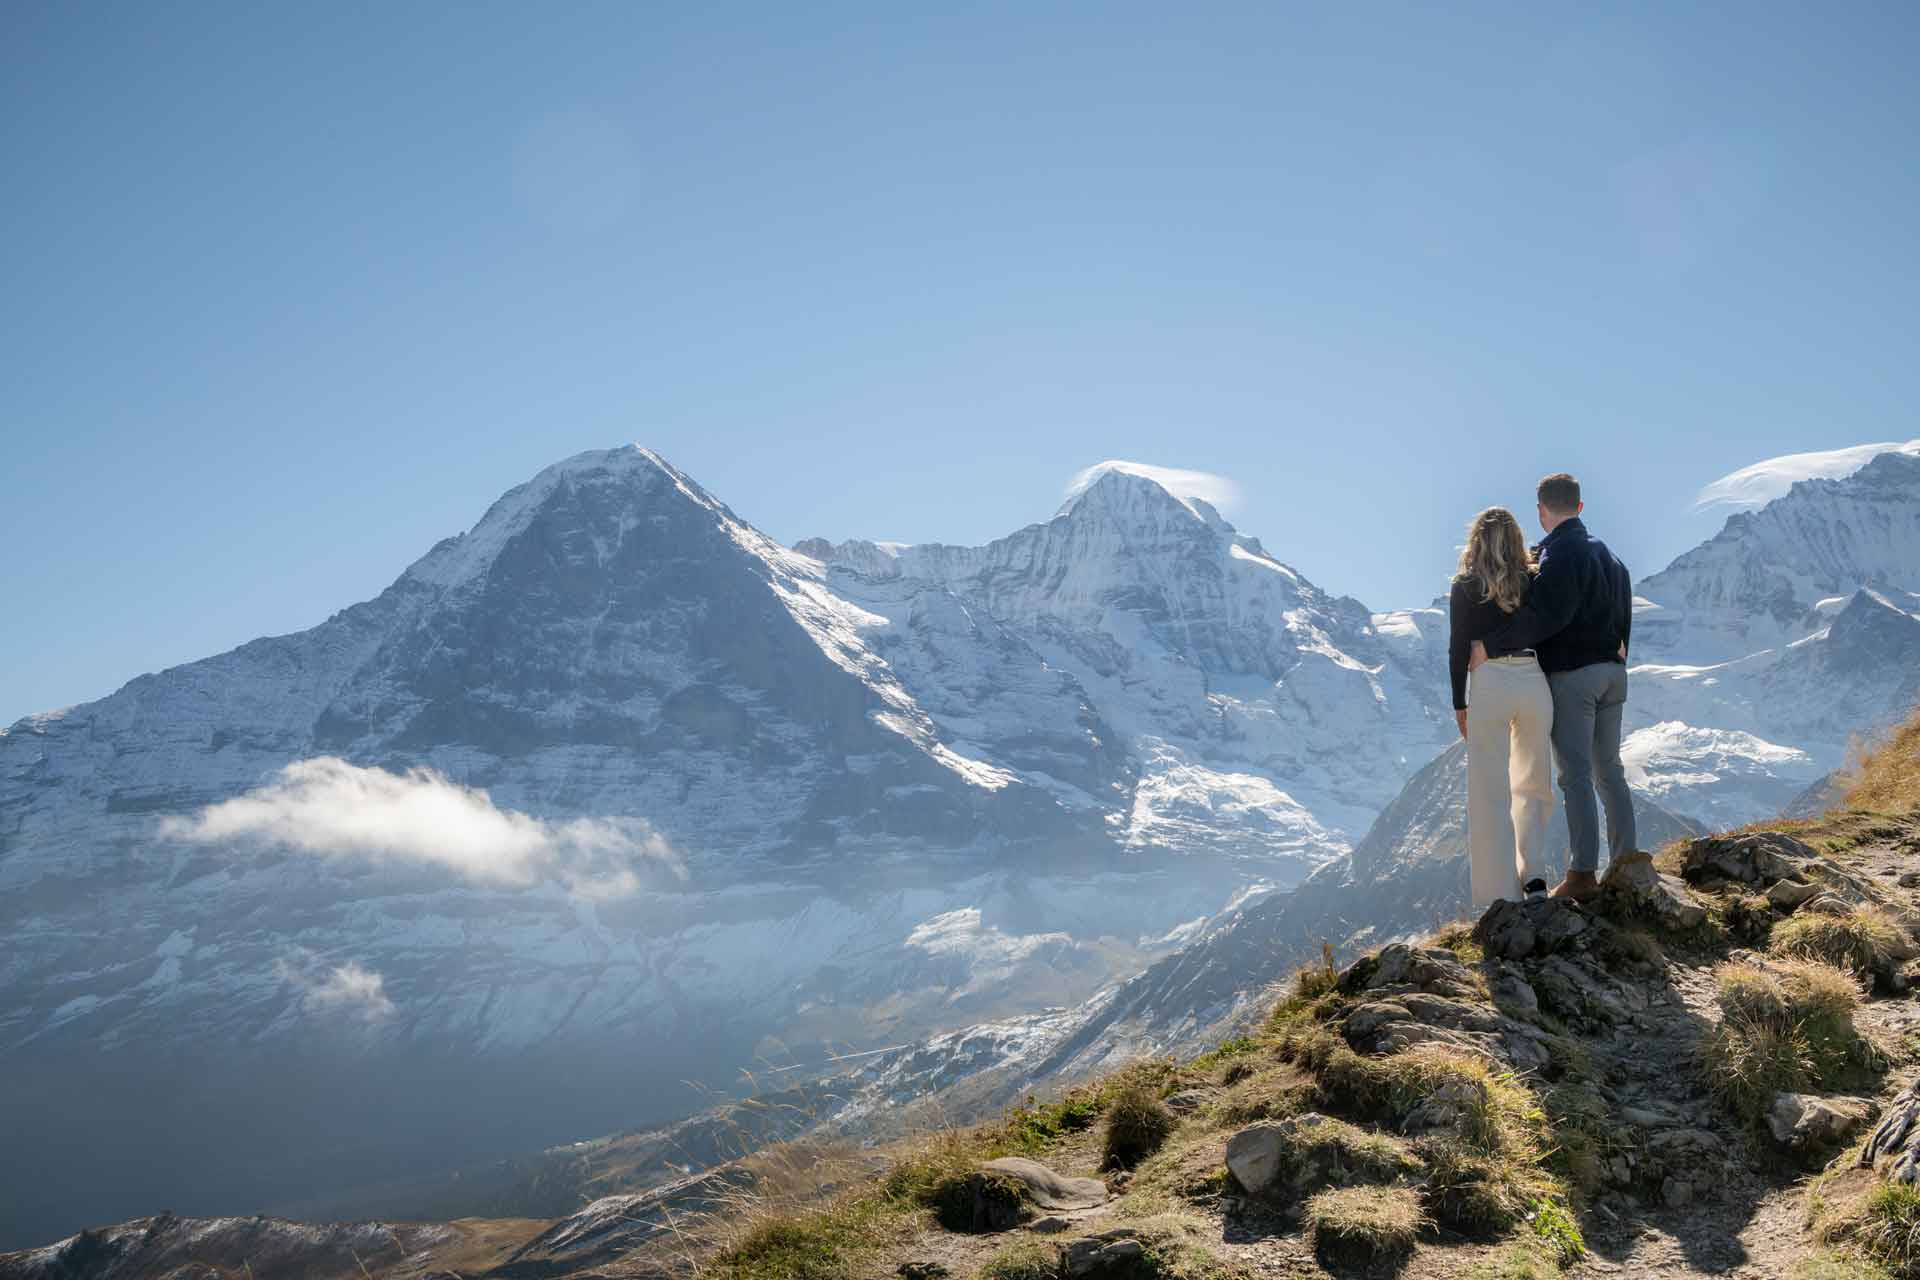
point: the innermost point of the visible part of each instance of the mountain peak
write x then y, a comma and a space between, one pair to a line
1120, 485
632, 475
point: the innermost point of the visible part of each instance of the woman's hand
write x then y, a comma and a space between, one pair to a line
1460, 718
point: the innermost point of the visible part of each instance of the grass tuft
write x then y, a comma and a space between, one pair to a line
1787, 1029
1138, 1123
1554, 1223
1887, 779
1022, 1260
1356, 1225
1470, 1192
1860, 942
1889, 1233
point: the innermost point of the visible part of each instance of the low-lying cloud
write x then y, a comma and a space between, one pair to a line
1761, 483
329, 807
349, 989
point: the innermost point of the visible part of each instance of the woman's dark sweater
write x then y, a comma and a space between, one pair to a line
1471, 619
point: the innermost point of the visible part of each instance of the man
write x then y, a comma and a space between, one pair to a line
1578, 620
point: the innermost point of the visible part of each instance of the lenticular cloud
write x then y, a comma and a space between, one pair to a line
1215, 491
330, 807
1761, 483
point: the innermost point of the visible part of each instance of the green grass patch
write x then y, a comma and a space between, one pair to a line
1889, 1230
1221, 1054
1554, 1223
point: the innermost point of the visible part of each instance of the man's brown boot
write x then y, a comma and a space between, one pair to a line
1581, 886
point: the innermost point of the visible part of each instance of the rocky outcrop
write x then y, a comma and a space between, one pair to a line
1894, 1148
1811, 1126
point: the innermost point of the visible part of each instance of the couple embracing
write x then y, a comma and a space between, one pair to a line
1542, 637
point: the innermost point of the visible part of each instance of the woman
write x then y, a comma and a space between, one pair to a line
1509, 791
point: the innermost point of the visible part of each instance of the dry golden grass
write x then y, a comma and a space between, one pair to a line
1887, 779
1861, 941
1364, 1224
1784, 1029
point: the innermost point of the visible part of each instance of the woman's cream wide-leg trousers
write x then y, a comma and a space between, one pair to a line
1509, 776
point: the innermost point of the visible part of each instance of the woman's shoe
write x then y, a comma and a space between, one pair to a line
1536, 890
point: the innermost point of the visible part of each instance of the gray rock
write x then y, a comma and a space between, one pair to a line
1649, 1117
1049, 1226
1805, 1123
1365, 1022
1187, 1101
923, 1271
1894, 1148
1909, 880
1514, 995
1434, 970
1506, 931
1676, 1193
1109, 1252
1785, 895
1258, 1154
1752, 859
1046, 1188
1634, 878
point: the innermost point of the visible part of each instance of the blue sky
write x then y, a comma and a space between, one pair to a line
290, 292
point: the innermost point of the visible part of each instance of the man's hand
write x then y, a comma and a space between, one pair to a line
1476, 658
1460, 718
1623, 651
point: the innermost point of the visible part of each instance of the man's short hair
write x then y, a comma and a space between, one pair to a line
1559, 493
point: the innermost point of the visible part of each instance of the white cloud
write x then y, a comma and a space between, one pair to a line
964, 933
1215, 491
1761, 483
349, 988
336, 809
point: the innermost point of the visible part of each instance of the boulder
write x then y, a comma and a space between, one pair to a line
1894, 1148
1045, 1188
1114, 1252
1434, 970
1811, 1125
1518, 930
1758, 859
1633, 879
1785, 895
1258, 1155
923, 1271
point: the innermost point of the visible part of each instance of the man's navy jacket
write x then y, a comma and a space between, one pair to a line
1580, 608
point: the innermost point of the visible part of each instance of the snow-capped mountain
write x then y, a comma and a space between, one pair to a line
615, 781
615, 791
1762, 655
1261, 712
1783, 572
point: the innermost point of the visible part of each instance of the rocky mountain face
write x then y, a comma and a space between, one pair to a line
709, 798
615, 790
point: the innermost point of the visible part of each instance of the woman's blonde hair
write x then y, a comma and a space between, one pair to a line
1496, 559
